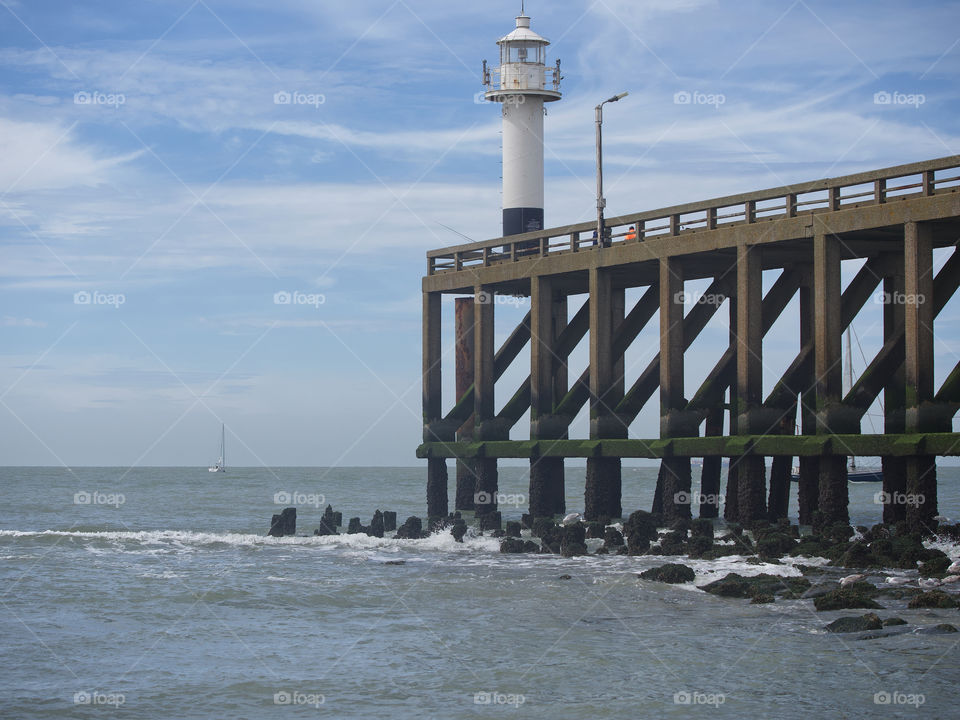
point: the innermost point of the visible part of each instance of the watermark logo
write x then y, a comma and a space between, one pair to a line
899, 298
83, 297
299, 498
480, 98
898, 498
93, 697
98, 498
298, 698
899, 698
95, 97
713, 299
686, 697
685, 498
283, 97
484, 297
488, 498
496, 698
283, 297
898, 98
685, 97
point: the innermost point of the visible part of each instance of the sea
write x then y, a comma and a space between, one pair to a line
156, 593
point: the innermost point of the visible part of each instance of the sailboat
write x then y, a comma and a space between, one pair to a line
854, 474
221, 465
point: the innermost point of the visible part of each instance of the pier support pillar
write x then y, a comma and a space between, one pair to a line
808, 487
434, 427
833, 499
548, 383
921, 415
752, 419
674, 419
730, 506
712, 465
464, 358
602, 493
778, 501
894, 399
486, 426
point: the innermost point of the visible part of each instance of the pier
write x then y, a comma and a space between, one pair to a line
893, 219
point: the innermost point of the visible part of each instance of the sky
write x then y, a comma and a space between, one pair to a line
157, 193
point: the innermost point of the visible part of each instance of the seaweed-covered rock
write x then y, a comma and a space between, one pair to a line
701, 527
284, 524
354, 526
775, 544
572, 540
513, 529
595, 530
932, 599
549, 533
761, 599
698, 546
640, 528
845, 599
573, 549
490, 521
736, 585
516, 545
412, 529
612, 537
870, 621
890, 622
935, 567
669, 573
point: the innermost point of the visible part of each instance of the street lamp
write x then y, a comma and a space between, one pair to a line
601, 203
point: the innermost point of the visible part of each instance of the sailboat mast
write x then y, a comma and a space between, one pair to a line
223, 446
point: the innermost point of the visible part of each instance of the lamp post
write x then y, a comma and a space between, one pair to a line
601, 203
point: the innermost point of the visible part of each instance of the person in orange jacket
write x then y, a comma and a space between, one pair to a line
631, 233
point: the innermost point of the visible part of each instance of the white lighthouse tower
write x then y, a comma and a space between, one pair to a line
522, 83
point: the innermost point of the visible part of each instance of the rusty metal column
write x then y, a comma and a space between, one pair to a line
894, 400
546, 473
673, 419
602, 492
808, 488
485, 424
434, 429
833, 498
921, 495
751, 476
463, 351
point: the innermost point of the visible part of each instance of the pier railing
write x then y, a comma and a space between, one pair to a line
850, 191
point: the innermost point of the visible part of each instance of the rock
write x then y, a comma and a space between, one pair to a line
376, 525
573, 540
328, 525
284, 524
389, 520
595, 530
857, 555
775, 545
412, 529
458, 530
890, 622
702, 527
395, 562
516, 545
819, 590
935, 567
932, 599
845, 599
490, 521
669, 573
698, 546
338, 519
566, 577
612, 537
548, 532
761, 599
573, 549
354, 526
941, 629
640, 529
870, 621
513, 529
735, 585
527, 521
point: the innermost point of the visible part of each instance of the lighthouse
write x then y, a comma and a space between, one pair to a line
522, 84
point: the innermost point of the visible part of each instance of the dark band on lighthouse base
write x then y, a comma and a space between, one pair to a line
522, 220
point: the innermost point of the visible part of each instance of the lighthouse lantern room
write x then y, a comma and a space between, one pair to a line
522, 84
